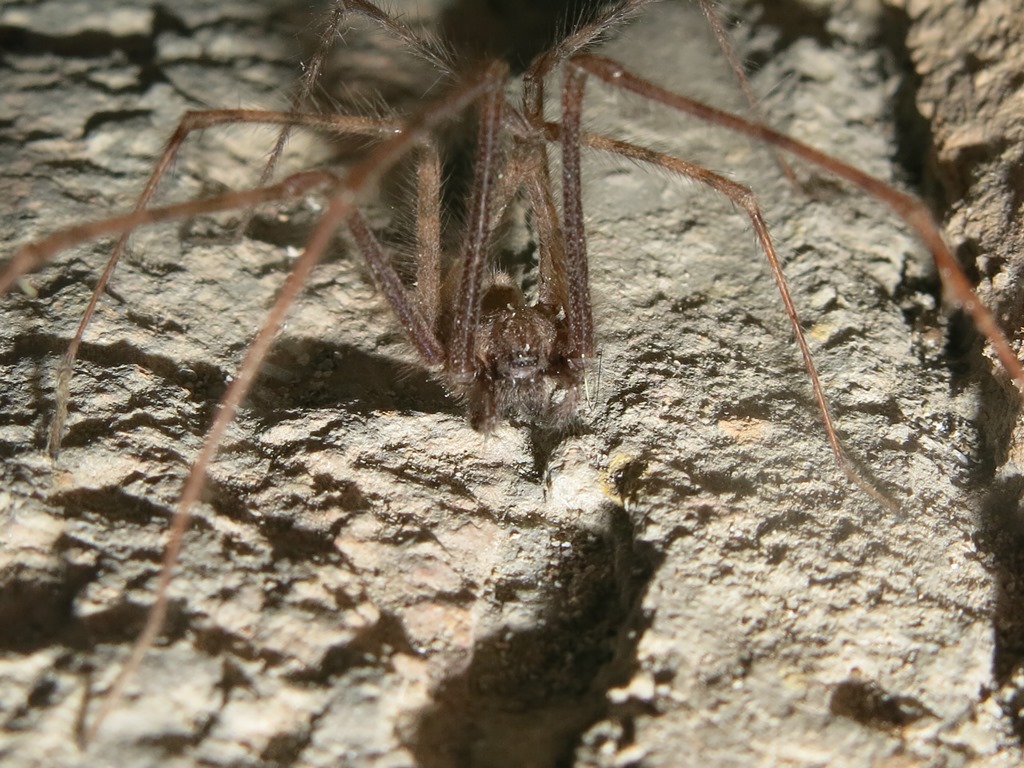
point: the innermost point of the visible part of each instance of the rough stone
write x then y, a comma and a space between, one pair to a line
685, 578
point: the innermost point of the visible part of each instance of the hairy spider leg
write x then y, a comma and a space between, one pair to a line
907, 207
910, 209
37, 254
426, 48
467, 311
428, 233
579, 316
191, 122
571, 136
340, 208
408, 312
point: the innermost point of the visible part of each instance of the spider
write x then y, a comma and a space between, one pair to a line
442, 621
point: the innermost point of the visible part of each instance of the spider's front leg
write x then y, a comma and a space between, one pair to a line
570, 135
909, 208
30, 259
717, 456
341, 194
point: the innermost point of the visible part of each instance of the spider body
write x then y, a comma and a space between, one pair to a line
520, 369
372, 581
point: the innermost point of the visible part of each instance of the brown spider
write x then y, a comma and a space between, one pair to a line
503, 354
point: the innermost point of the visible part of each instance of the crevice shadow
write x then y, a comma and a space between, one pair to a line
528, 696
1001, 535
312, 373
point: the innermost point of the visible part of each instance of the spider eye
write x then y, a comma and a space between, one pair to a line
522, 366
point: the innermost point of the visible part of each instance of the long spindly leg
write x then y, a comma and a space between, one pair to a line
191, 122
578, 314
406, 310
485, 178
428, 235
546, 63
485, 83
423, 46
907, 207
594, 30
38, 253
550, 238
714, 22
571, 136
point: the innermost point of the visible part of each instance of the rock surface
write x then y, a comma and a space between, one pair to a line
685, 578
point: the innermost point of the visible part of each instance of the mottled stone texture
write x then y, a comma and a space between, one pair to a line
683, 579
